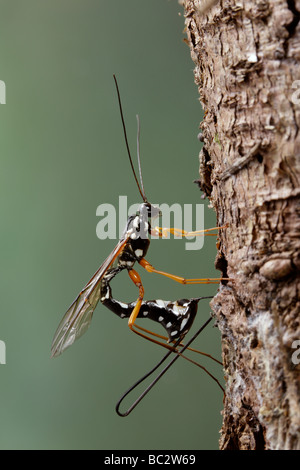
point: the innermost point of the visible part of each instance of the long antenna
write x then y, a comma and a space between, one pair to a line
126, 141
138, 153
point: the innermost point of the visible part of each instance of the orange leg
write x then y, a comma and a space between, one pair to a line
215, 280
163, 232
135, 277
181, 344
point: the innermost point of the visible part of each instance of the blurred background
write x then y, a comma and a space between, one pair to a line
62, 155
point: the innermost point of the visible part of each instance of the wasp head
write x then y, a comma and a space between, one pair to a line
148, 211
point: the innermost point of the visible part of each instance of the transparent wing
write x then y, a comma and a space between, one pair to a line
78, 317
76, 320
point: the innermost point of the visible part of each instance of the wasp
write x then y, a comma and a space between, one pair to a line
176, 317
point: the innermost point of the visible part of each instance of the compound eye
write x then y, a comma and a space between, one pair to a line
154, 212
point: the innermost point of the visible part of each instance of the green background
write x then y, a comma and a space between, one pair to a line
62, 154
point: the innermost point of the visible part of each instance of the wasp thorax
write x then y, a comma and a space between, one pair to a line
140, 224
139, 227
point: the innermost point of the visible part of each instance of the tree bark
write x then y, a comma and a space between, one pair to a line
246, 56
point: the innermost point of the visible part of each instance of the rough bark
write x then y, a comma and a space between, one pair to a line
246, 56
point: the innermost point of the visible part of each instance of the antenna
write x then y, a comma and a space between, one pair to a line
138, 153
126, 141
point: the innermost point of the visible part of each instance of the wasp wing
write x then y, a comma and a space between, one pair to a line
78, 317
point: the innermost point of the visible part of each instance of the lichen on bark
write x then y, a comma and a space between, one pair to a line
246, 56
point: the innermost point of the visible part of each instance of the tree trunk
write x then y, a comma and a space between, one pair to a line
247, 65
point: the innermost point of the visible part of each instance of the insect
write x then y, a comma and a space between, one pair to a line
132, 248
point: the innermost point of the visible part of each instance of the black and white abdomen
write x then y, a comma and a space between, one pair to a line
176, 317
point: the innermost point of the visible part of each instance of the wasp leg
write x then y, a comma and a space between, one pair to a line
163, 232
215, 280
135, 277
205, 370
181, 345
